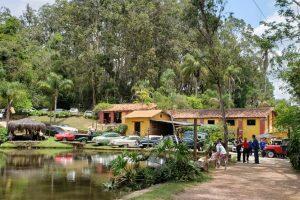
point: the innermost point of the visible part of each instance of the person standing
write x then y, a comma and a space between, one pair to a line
246, 150
262, 146
238, 148
255, 147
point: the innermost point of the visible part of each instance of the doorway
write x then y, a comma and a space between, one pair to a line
137, 128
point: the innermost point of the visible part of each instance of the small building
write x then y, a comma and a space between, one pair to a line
241, 121
152, 122
116, 113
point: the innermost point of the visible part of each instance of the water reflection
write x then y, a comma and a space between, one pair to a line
54, 175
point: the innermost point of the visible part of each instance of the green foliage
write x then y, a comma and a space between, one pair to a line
288, 120
294, 149
3, 135
101, 106
38, 113
122, 128
195, 102
178, 166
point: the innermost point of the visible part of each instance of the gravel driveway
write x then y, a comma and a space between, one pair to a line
273, 179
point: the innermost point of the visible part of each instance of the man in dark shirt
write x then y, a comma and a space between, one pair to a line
255, 147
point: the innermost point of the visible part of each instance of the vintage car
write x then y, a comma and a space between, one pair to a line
130, 141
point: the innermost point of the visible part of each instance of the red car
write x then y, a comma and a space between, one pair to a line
277, 148
65, 136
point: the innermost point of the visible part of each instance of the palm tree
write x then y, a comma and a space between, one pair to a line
55, 84
192, 68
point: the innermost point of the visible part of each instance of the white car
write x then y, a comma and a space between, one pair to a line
130, 141
106, 138
88, 113
68, 128
74, 111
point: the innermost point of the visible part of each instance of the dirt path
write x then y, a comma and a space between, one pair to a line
272, 179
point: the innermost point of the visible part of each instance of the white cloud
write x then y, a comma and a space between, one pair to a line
262, 28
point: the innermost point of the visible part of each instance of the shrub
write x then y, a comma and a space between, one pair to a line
294, 149
3, 135
122, 128
101, 106
38, 113
129, 173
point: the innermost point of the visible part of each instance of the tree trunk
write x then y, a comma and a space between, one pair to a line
55, 104
8, 111
223, 113
93, 89
195, 139
196, 86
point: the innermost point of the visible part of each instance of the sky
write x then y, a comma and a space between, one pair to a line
251, 11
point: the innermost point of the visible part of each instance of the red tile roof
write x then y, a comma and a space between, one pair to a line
131, 107
216, 113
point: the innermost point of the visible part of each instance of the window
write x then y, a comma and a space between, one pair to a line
210, 121
231, 122
251, 122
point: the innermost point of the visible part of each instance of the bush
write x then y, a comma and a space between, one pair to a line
129, 173
294, 149
121, 129
38, 113
3, 135
101, 106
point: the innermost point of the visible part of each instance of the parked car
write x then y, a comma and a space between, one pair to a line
190, 143
278, 148
58, 110
106, 138
45, 109
130, 141
53, 130
65, 136
68, 128
74, 111
86, 137
150, 141
88, 113
190, 134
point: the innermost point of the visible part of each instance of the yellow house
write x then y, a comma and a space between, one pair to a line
241, 121
117, 112
148, 122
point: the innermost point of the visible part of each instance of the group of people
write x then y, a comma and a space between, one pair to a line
249, 147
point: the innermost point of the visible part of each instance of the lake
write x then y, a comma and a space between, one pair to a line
54, 174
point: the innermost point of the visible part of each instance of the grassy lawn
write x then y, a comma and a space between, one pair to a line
79, 122
51, 143
165, 191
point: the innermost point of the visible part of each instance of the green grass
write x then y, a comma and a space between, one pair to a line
51, 143
7, 145
79, 122
167, 190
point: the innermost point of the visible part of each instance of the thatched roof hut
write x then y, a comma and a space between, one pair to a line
25, 124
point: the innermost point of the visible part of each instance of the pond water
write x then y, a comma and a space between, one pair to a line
52, 174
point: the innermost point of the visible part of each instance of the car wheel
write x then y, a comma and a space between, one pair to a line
270, 154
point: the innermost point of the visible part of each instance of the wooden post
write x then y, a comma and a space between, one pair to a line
195, 139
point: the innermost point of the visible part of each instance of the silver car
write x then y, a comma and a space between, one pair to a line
106, 138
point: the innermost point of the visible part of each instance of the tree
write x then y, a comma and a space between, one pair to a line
55, 84
14, 93
192, 68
